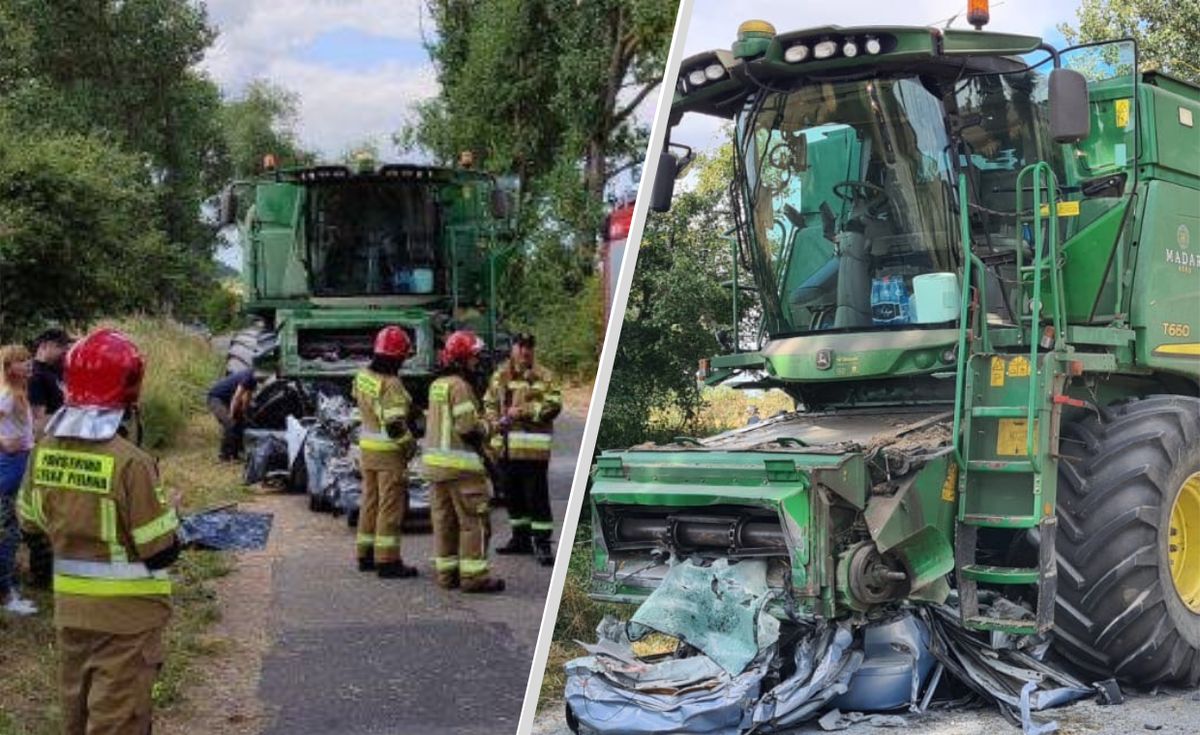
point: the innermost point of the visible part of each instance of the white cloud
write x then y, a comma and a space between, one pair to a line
341, 108
338, 107
253, 32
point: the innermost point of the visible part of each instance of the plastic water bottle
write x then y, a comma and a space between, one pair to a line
903, 315
878, 299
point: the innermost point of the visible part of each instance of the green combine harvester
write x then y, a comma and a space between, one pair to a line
974, 262
333, 253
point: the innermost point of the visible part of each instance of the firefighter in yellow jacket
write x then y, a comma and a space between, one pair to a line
387, 446
455, 435
97, 498
521, 402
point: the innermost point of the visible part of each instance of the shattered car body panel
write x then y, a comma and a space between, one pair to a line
715, 608
848, 508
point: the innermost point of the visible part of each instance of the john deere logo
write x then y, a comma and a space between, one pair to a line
1182, 236
824, 359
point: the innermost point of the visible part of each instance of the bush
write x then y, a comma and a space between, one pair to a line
180, 366
222, 308
79, 237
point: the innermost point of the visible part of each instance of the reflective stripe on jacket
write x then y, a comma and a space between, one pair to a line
536, 396
103, 510
382, 400
453, 414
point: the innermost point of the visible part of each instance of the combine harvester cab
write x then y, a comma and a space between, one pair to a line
331, 254
972, 256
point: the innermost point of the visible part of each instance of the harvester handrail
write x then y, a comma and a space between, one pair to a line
964, 326
1043, 179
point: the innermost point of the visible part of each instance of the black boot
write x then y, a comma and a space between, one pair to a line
543, 552
518, 544
367, 563
396, 570
487, 585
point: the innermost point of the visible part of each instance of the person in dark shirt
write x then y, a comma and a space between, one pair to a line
45, 384
228, 400
45, 398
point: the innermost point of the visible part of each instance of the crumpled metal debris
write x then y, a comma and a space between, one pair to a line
835, 719
717, 608
611, 691
1008, 670
825, 663
700, 688
226, 529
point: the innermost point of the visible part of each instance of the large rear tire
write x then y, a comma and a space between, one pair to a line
1128, 494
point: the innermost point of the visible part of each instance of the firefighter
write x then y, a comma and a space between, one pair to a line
387, 446
522, 401
97, 498
452, 454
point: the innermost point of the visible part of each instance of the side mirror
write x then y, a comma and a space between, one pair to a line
664, 183
228, 207
501, 204
1070, 118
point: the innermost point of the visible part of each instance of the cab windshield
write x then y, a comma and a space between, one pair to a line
373, 238
851, 192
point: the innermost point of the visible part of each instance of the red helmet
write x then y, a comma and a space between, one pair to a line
104, 369
392, 341
460, 346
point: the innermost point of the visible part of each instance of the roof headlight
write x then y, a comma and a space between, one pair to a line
824, 49
696, 77
714, 72
873, 46
850, 49
796, 54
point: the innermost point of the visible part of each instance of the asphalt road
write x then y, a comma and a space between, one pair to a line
355, 655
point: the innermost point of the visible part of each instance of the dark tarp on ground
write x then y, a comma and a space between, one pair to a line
226, 529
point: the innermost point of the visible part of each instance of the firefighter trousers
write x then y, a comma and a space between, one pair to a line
107, 679
528, 485
461, 529
381, 514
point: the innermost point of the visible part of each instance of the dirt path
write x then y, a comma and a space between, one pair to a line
307, 645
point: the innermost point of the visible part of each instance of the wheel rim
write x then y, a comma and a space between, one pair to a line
1183, 546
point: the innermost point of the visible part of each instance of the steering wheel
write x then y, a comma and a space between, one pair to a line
853, 191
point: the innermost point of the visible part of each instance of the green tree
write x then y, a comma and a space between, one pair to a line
78, 238
126, 72
676, 306
1167, 31
548, 90
260, 121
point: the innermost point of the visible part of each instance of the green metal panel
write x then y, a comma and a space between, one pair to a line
1087, 264
272, 265
292, 323
1166, 286
863, 355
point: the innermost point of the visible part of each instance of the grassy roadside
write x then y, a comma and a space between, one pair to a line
578, 616
180, 366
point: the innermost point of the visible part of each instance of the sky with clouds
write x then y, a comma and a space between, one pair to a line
714, 25
357, 65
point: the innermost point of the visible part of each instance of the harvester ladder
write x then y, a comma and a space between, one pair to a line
1006, 417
